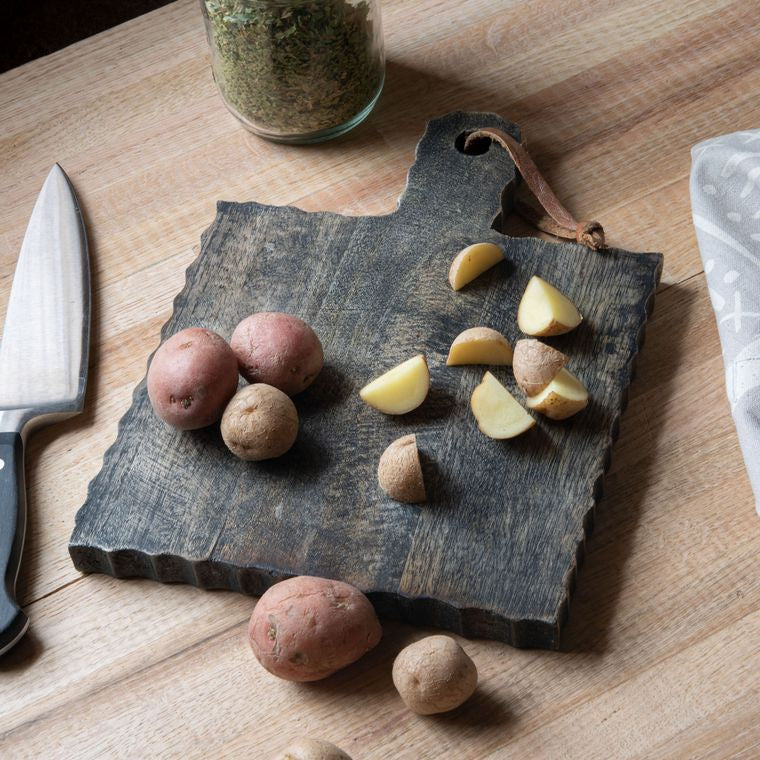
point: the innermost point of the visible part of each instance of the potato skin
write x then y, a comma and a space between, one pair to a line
535, 365
306, 628
277, 349
399, 471
260, 422
191, 378
434, 675
555, 407
312, 749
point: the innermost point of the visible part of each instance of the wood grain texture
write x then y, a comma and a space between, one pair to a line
493, 552
660, 656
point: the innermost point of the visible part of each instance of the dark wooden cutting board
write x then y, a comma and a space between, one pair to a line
494, 551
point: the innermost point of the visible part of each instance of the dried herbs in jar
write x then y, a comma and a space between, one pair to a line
297, 71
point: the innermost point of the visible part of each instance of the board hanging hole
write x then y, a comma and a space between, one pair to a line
478, 148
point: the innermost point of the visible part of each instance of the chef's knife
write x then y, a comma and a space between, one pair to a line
43, 362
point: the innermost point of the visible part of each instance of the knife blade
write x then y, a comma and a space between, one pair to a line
43, 362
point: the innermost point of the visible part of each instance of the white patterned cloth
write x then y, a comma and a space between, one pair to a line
725, 202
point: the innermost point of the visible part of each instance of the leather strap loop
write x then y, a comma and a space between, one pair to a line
552, 217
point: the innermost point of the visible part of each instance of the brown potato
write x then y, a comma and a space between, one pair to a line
277, 349
399, 471
191, 378
434, 675
260, 422
535, 365
312, 749
306, 628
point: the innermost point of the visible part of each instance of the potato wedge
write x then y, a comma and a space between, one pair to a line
400, 389
472, 261
480, 345
535, 365
497, 411
543, 310
563, 397
399, 471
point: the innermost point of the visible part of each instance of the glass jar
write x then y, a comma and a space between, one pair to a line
297, 70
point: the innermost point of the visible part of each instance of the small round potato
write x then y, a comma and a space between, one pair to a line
306, 628
312, 749
191, 378
434, 675
277, 349
260, 422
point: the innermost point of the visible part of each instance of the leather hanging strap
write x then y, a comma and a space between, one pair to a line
552, 217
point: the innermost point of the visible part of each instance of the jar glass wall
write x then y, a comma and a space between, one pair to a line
297, 70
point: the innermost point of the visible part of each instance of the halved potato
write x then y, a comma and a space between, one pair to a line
399, 471
563, 397
472, 261
535, 365
400, 389
497, 411
480, 345
543, 310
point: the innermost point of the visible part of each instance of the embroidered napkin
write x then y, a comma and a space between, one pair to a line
725, 201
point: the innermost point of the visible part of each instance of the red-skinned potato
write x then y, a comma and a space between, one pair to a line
277, 349
306, 628
191, 378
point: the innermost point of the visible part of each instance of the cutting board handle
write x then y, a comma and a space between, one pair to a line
455, 169
13, 622
550, 215
449, 186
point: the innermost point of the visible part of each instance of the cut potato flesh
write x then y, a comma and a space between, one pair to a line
480, 345
543, 310
472, 261
497, 411
400, 389
564, 396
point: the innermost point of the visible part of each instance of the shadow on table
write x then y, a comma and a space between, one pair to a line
371, 676
410, 98
24, 654
600, 580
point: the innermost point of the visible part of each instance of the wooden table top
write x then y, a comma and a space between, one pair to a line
662, 655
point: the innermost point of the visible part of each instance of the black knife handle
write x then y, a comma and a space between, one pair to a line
13, 622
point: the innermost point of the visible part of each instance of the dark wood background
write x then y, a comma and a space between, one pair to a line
34, 29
